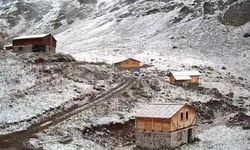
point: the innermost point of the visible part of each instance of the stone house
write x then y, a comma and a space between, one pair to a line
160, 126
128, 64
43, 43
184, 77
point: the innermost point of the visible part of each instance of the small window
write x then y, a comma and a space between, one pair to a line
181, 116
187, 115
20, 48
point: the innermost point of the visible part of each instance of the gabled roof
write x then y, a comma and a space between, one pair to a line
185, 75
31, 36
158, 110
127, 60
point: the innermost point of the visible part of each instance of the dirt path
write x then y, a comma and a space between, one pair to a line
16, 138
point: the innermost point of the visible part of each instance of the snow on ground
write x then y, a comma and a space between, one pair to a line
222, 138
42, 98
226, 87
54, 142
119, 109
217, 138
116, 29
110, 35
29, 90
154, 37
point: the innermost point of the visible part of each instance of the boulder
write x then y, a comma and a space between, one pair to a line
230, 94
237, 14
246, 35
209, 8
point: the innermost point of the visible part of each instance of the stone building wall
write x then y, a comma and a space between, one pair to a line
181, 137
159, 140
152, 140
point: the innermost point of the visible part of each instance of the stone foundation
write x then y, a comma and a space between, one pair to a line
160, 140
152, 140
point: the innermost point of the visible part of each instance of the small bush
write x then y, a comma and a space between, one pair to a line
60, 57
39, 60
98, 63
196, 139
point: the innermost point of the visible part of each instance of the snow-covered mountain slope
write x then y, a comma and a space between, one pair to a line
166, 33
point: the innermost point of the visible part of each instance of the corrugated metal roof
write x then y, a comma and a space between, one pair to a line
157, 110
31, 36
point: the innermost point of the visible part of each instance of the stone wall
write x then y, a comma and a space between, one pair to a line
159, 140
152, 140
181, 137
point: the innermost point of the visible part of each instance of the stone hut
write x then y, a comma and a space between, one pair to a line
160, 126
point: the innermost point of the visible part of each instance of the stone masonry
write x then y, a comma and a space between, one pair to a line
154, 140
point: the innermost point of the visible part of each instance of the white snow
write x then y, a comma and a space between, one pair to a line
30, 36
222, 138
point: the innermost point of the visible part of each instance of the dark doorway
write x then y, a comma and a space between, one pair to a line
190, 135
39, 48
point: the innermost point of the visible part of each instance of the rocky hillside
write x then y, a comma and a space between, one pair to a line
172, 32
210, 36
166, 33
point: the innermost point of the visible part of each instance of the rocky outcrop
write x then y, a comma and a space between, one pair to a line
240, 119
209, 8
237, 14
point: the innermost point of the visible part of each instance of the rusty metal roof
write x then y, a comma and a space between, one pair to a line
158, 110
